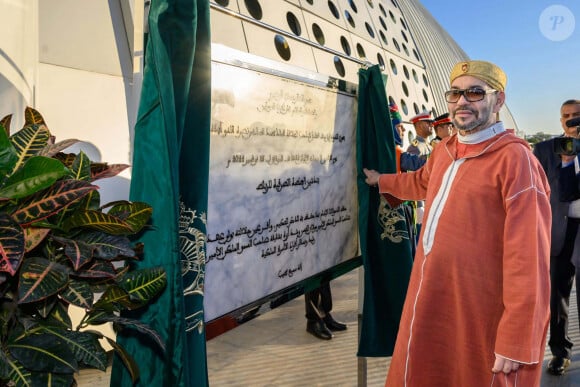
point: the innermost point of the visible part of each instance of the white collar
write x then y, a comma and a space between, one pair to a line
482, 135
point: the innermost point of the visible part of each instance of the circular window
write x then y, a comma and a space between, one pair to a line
383, 37
370, 30
405, 90
415, 76
254, 8
352, 5
403, 24
406, 72
360, 51
396, 45
425, 80
282, 47
339, 66
349, 19
383, 24
370, 3
382, 9
310, 2
416, 108
333, 9
416, 55
391, 100
293, 23
223, 3
405, 49
394, 3
392, 17
425, 95
345, 45
381, 62
318, 34
404, 36
404, 107
393, 67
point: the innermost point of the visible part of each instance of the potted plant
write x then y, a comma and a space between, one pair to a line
60, 247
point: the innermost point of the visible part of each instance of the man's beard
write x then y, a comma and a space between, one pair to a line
479, 119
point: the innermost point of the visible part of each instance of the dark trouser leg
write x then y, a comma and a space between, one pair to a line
318, 302
562, 274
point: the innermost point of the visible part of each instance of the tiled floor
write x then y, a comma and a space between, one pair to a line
274, 349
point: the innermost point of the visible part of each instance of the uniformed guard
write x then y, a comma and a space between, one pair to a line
423, 123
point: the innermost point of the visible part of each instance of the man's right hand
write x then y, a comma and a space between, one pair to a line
372, 177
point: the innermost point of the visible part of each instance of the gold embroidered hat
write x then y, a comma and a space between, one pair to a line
486, 71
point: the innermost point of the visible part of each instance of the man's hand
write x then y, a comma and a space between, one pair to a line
372, 177
504, 365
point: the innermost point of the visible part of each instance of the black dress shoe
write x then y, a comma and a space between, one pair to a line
332, 324
558, 365
318, 329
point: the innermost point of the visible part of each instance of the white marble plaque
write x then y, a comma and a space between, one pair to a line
282, 186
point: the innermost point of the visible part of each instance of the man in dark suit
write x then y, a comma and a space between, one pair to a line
564, 251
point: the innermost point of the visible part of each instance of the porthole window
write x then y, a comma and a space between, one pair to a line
333, 9
404, 107
349, 19
405, 49
405, 89
370, 30
406, 72
382, 9
293, 23
383, 37
318, 34
360, 51
345, 45
425, 80
416, 55
254, 8
353, 6
425, 95
383, 24
404, 36
392, 17
393, 67
381, 62
416, 108
370, 3
396, 45
415, 76
282, 47
311, 2
339, 66
394, 3
223, 3
403, 24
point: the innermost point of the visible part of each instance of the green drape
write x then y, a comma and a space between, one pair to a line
170, 172
386, 254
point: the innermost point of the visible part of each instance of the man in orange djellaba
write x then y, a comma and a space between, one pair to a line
477, 306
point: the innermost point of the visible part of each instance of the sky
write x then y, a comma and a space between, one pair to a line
536, 43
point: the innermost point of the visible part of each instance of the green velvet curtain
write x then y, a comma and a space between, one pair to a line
387, 258
170, 172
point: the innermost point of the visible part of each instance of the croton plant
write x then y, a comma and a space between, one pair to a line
60, 247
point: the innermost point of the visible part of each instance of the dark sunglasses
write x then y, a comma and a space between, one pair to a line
473, 94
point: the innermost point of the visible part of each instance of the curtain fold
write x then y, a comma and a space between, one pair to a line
385, 243
170, 171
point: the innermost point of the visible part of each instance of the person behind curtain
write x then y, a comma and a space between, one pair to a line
319, 321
